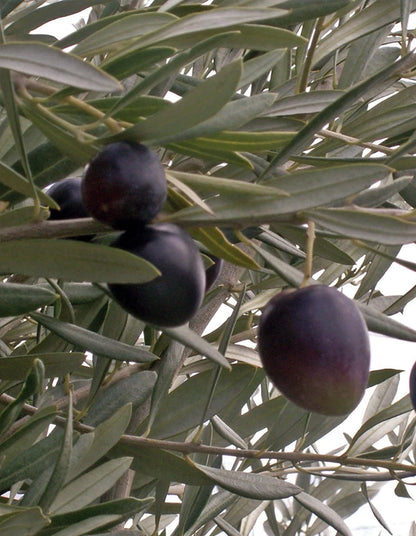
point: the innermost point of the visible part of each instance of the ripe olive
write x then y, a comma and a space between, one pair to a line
172, 298
67, 193
124, 185
412, 386
314, 346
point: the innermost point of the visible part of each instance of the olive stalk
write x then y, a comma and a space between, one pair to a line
307, 272
396, 470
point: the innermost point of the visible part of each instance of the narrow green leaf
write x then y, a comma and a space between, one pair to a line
251, 485
121, 509
233, 389
233, 116
73, 260
376, 513
81, 528
17, 299
32, 460
56, 364
172, 359
260, 65
366, 434
33, 18
307, 188
21, 216
217, 503
164, 72
113, 35
94, 342
210, 184
88, 487
374, 225
105, 436
304, 103
65, 140
25, 522
375, 83
25, 436
375, 16
227, 432
161, 464
134, 390
324, 512
11, 109
217, 19
189, 338
255, 142
36, 59
32, 385
220, 246
381, 323
199, 104
60, 470
13, 180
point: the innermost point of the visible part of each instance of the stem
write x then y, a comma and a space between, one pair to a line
191, 448
25, 83
53, 229
307, 272
304, 76
355, 141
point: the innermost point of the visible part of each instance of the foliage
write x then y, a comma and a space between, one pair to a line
268, 115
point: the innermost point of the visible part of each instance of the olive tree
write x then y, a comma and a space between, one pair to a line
286, 130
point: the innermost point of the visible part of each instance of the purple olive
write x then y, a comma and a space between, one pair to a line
67, 193
314, 346
124, 185
172, 298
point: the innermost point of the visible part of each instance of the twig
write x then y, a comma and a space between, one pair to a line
192, 448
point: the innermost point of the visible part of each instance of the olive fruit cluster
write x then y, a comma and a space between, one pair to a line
124, 186
314, 346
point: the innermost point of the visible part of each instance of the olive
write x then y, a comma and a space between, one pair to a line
67, 193
314, 346
412, 386
172, 298
124, 185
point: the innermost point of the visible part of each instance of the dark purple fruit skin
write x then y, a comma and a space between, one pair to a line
124, 185
174, 297
412, 386
213, 271
67, 193
314, 346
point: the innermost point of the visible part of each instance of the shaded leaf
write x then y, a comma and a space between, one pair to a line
36, 59
94, 342
73, 260
252, 485
17, 299
85, 489
324, 512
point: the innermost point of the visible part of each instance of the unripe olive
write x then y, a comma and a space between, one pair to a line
172, 298
314, 346
124, 185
